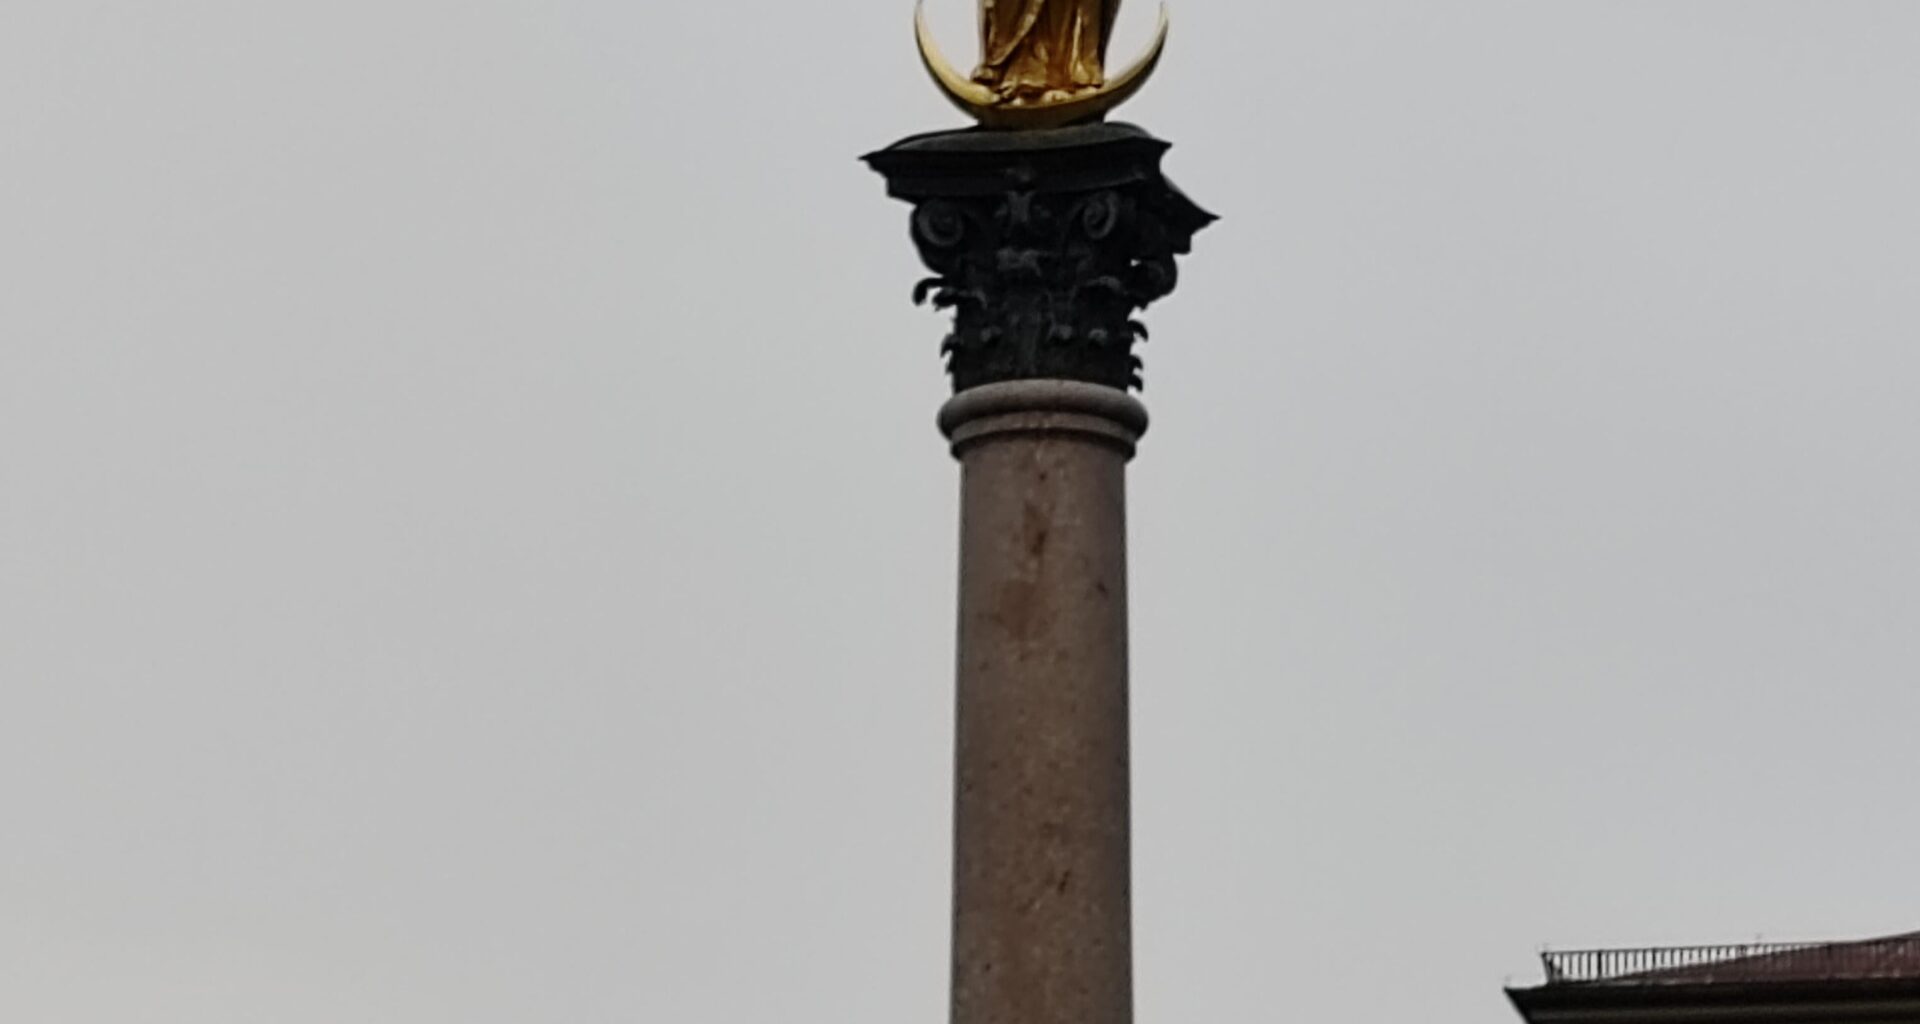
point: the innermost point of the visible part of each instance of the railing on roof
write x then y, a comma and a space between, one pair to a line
1588, 965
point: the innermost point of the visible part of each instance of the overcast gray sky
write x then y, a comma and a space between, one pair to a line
474, 547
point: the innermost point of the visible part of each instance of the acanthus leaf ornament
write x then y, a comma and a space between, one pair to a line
1044, 245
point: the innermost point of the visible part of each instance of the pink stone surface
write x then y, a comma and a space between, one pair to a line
1042, 914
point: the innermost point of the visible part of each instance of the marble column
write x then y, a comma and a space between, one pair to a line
1044, 245
1042, 869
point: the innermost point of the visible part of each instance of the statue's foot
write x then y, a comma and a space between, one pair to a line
1062, 95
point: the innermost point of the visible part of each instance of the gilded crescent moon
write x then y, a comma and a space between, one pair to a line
987, 107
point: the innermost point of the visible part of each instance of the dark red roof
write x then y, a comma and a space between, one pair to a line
1897, 956
1894, 957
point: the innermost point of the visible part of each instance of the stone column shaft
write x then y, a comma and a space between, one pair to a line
1042, 930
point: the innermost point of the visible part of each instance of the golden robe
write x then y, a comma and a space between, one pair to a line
1033, 48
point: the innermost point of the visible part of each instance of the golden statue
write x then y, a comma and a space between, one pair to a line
1042, 63
1044, 49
